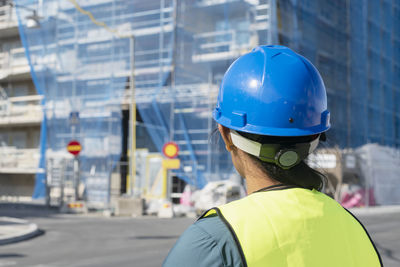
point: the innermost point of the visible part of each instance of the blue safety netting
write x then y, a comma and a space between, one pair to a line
83, 71
356, 47
76, 65
205, 51
205, 38
182, 49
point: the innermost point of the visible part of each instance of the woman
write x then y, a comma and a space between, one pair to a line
271, 113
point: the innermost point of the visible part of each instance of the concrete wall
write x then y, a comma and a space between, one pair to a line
16, 184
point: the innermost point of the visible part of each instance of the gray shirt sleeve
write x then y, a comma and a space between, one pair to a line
207, 243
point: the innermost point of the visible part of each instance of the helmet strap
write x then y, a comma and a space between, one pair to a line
285, 157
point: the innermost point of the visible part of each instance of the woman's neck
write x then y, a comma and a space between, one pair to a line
256, 178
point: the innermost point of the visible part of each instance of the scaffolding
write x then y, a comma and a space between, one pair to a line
182, 49
83, 68
356, 47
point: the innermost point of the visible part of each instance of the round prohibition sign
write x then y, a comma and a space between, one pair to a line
170, 150
74, 147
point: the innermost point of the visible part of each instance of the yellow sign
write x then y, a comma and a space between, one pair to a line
171, 163
74, 148
75, 205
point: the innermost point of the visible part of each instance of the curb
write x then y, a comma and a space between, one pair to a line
31, 230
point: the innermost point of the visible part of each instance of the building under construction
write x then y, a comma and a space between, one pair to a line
75, 69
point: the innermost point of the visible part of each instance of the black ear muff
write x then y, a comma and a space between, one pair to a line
287, 158
284, 154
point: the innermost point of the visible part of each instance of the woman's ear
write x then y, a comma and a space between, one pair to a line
225, 133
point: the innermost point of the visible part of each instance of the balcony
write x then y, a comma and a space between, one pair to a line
221, 45
14, 65
22, 110
19, 161
262, 19
8, 22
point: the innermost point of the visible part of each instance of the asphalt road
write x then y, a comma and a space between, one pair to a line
384, 229
73, 240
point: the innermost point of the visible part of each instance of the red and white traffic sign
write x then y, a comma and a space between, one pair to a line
74, 147
170, 150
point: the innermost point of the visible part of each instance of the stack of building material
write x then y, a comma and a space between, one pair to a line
380, 167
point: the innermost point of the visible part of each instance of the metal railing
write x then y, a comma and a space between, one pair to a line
61, 182
139, 23
214, 42
213, 2
217, 45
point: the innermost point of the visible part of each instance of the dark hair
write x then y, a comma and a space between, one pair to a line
300, 175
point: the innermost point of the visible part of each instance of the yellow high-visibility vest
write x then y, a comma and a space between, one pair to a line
297, 227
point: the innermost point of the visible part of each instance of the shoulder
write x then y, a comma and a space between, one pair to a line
207, 242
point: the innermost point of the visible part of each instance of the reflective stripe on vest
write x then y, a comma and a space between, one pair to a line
297, 227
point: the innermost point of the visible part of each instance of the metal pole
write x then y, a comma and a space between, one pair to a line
62, 178
132, 107
48, 177
172, 90
76, 177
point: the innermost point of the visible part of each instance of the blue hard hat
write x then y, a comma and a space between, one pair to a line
273, 91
